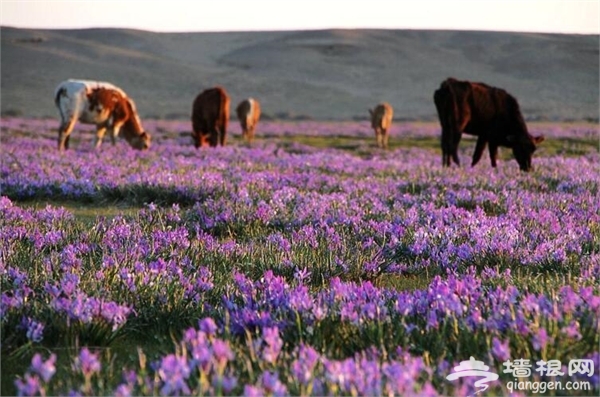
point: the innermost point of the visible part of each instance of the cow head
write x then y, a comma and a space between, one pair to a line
132, 128
141, 141
523, 147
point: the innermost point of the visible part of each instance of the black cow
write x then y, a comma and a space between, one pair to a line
490, 113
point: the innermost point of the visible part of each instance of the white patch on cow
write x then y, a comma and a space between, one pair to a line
251, 111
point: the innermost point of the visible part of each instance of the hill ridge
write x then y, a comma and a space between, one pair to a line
320, 74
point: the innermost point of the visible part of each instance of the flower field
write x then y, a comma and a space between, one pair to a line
312, 263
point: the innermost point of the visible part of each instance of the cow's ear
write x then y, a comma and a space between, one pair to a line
538, 139
370, 112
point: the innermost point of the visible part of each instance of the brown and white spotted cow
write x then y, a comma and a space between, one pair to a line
101, 104
210, 115
381, 121
248, 113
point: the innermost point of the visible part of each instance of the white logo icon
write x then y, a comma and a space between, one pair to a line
474, 368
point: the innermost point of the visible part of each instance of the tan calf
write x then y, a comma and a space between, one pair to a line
248, 113
381, 121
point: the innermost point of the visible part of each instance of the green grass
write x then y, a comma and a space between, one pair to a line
86, 213
568, 147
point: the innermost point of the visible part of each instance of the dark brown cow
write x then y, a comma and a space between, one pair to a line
248, 113
210, 115
490, 113
117, 113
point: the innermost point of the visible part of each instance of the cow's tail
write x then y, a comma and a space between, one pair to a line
59, 93
454, 108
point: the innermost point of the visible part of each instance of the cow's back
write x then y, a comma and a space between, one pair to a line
210, 117
382, 116
209, 107
248, 111
70, 97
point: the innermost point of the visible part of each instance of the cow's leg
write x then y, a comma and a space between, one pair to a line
100, 131
493, 148
455, 141
479, 148
385, 138
246, 132
222, 137
64, 131
114, 133
214, 137
445, 149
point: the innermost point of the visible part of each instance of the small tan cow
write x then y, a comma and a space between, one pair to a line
248, 112
210, 116
381, 121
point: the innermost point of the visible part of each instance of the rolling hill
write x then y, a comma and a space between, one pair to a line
323, 75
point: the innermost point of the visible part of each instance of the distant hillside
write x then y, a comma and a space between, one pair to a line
332, 74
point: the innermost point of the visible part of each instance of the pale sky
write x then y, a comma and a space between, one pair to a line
548, 16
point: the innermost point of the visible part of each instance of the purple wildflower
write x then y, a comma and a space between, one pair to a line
540, 339
273, 344
173, 372
500, 350
304, 365
87, 362
208, 326
29, 386
45, 369
35, 330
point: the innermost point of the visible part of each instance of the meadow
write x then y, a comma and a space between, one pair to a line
311, 263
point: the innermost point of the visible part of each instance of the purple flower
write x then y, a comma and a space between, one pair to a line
273, 344
45, 369
304, 365
29, 386
87, 362
540, 339
271, 384
301, 274
253, 391
35, 330
222, 351
123, 391
208, 326
173, 372
572, 330
228, 383
500, 350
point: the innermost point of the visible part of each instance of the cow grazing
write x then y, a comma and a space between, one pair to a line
210, 115
490, 113
248, 112
381, 121
101, 104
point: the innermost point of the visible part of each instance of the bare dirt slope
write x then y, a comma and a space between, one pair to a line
331, 74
